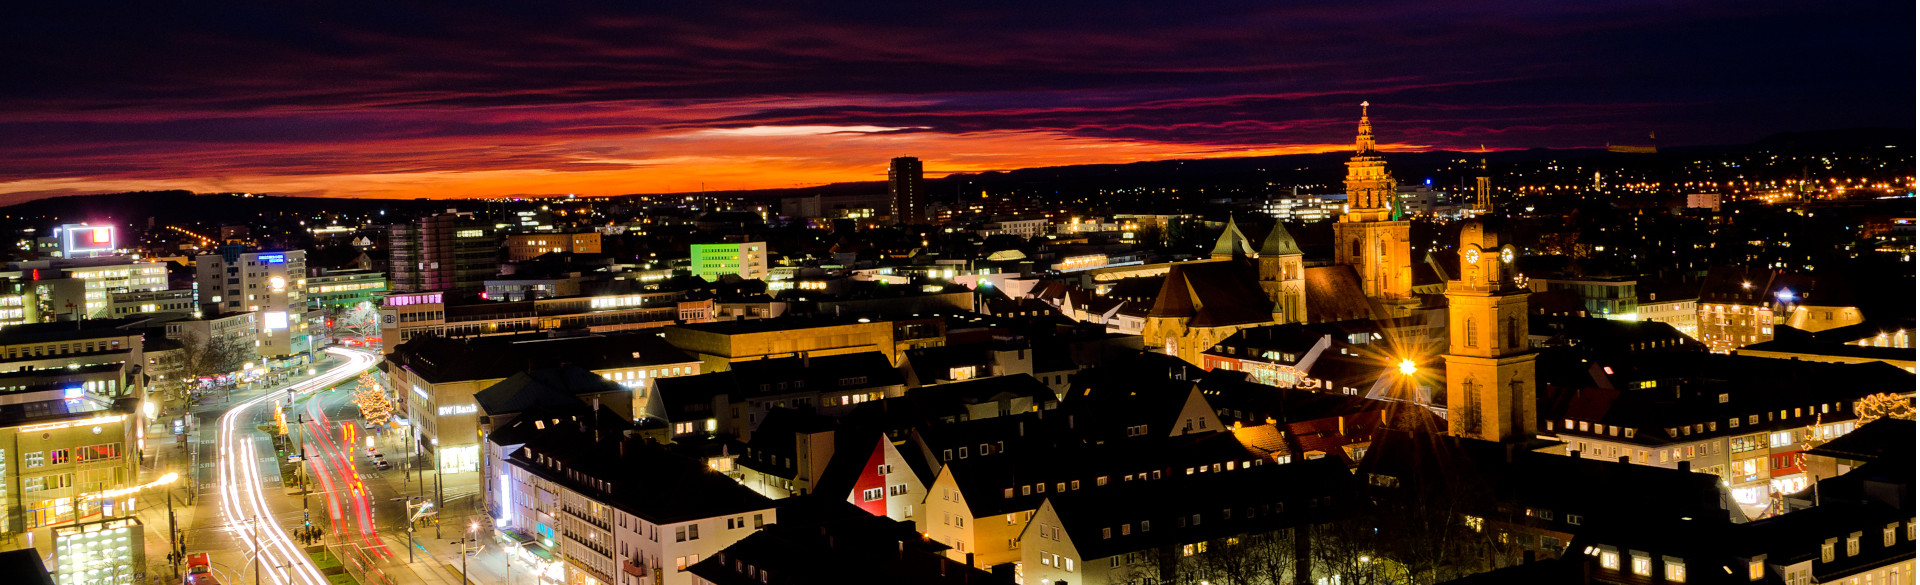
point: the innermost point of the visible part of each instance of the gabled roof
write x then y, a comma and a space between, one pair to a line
1872, 441
1333, 293
1213, 294
641, 478
550, 387
1054, 460
1510, 474
823, 548
953, 398
527, 424
1259, 499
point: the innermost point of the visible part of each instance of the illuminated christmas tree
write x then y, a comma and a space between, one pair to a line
374, 405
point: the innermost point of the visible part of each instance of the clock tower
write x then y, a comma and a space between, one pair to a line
1490, 366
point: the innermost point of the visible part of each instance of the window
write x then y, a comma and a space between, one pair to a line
1106, 533
693, 532
1610, 560
1826, 551
33, 459
1676, 570
870, 495
1886, 537
1476, 523
1574, 519
1009, 493
1853, 544
680, 535
1756, 571
1642, 565
59, 456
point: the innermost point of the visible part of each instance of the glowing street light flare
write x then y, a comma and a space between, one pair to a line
1407, 367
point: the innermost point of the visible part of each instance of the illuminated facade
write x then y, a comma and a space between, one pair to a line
445, 252
271, 285
529, 246
100, 278
747, 260
909, 197
1371, 237
1490, 365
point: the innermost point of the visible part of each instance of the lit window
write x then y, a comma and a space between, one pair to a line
1642, 565
1676, 570
1610, 560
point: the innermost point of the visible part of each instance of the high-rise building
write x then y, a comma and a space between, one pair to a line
747, 260
1490, 364
1371, 237
271, 285
446, 252
909, 199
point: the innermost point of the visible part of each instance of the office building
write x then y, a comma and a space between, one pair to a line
747, 260
406, 316
909, 197
271, 285
529, 246
446, 252
99, 279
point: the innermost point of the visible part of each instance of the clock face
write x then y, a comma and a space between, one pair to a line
1473, 255
1506, 255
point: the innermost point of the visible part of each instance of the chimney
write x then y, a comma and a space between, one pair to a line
1686, 466
1623, 459
1022, 427
1510, 449
969, 559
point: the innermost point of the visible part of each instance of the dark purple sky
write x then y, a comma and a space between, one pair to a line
623, 97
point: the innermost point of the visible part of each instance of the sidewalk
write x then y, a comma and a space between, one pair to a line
436, 560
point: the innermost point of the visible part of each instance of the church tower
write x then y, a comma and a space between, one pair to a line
1490, 366
1283, 275
1232, 242
1483, 186
1370, 236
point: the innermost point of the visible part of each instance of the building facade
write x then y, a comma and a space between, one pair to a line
904, 186
271, 285
747, 260
446, 252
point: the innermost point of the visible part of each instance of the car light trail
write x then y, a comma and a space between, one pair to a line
241, 497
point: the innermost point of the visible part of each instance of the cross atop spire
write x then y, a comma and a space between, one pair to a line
1364, 143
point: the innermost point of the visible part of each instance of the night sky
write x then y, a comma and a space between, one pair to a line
476, 99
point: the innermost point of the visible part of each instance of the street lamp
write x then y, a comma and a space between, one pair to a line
1407, 367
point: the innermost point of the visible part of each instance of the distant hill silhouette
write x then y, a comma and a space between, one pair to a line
1320, 168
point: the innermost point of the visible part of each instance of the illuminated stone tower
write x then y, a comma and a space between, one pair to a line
1490, 367
1283, 275
1370, 237
1483, 186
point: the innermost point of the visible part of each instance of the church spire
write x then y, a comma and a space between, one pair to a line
1364, 143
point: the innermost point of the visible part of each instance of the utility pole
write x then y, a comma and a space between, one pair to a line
463, 555
173, 537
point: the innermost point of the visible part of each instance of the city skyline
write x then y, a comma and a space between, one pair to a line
409, 103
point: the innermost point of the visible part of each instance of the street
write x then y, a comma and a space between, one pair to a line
243, 493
